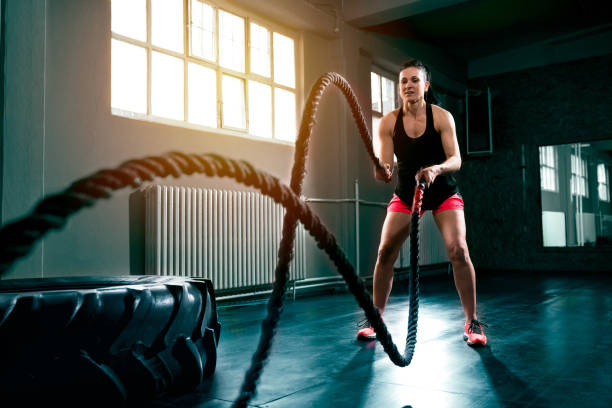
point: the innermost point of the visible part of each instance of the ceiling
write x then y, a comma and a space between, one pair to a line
471, 29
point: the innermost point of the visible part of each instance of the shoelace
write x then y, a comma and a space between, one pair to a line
476, 326
363, 323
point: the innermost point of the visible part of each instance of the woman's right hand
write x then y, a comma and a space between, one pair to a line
383, 173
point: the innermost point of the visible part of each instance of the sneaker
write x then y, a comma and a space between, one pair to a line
473, 333
366, 332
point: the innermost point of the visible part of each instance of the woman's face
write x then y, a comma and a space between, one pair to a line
412, 84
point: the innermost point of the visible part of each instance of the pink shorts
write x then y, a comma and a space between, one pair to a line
454, 202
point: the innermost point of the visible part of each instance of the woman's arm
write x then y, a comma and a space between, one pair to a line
385, 153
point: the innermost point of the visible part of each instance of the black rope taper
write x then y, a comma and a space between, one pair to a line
417, 203
18, 238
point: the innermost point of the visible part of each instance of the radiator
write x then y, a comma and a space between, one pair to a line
230, 237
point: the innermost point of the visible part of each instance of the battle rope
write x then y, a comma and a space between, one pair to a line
18, 238
417, 203
285, 252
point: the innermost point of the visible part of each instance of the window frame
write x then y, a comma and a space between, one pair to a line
554, 168
578, 176
187, 58
375, 69
605, 183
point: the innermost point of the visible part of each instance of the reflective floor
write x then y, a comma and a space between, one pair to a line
550, 345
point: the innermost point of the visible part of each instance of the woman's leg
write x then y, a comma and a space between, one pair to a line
451, 224
394, 232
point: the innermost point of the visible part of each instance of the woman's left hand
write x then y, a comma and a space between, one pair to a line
428, 174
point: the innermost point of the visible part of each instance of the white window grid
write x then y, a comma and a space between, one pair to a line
549, 168
380, 106
215, 65
603, 182
579, 180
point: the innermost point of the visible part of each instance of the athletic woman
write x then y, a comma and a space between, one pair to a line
422, 136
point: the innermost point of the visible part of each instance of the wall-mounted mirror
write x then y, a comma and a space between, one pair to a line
575, 191
478, 122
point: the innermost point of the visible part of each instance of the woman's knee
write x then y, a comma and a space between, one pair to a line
387, 254
458, 253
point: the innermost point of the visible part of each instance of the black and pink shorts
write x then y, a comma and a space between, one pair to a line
454, 202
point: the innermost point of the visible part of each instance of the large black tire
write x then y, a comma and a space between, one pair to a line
111, 342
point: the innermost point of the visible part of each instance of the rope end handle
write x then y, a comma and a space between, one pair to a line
417, 200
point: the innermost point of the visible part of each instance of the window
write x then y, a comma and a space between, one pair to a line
383, 102
603, 182
569, 217
578, 181
192, 62
549, 163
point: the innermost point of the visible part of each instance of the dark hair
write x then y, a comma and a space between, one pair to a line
412, 62
417, 64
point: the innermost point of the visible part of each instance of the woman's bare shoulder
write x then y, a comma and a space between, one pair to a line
441, 116
439, 111
387, 123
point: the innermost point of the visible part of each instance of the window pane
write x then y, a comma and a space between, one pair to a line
202, 94
260, 50
260, 109
202, 30
167, 86
129, 18
128, 77
548, 168
375, 140
284, 115
388, 95
551, 158
375, 85
602, 182
233, 102
231, 41
284, 60
603, 192
167, 24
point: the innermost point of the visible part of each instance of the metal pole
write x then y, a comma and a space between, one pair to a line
357, 226
523, 168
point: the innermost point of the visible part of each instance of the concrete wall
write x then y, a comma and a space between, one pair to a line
557, 104
59, 128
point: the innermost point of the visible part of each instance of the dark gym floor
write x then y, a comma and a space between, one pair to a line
550, 345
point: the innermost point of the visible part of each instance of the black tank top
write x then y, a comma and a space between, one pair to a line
416, 153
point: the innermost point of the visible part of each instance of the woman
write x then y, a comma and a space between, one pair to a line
422, 136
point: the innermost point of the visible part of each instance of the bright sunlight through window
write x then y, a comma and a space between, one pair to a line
231, 41
167, 24
383, 102
233, 102
203, 31
195, 63
167, 86
129, 77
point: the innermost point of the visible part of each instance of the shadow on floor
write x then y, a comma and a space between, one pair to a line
346, 384
507, 385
